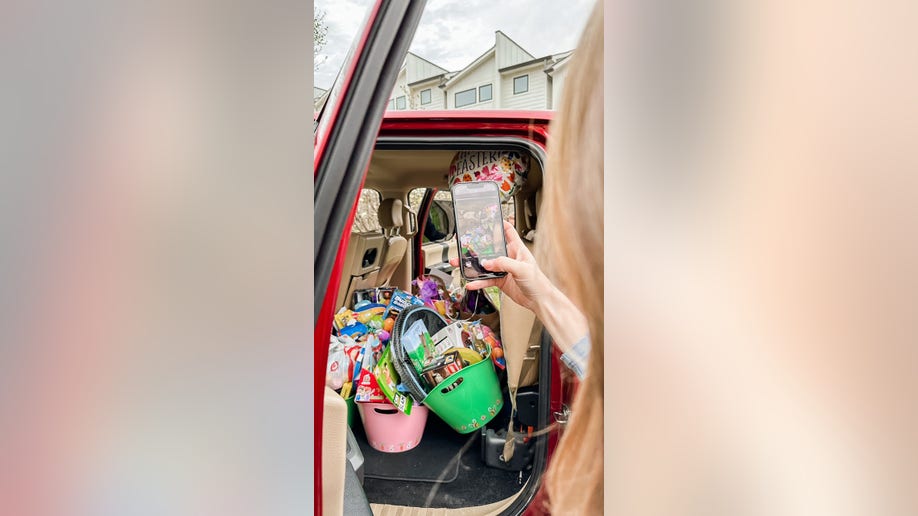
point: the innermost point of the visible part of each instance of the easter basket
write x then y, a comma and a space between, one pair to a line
467, 399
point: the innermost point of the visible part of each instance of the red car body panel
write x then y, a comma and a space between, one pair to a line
531, 126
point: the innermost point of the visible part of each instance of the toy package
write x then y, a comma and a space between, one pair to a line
381, 295
442, 368
417, 344
447, 337
400, 301
388, 381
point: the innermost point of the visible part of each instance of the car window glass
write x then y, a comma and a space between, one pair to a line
439, 226
335, 31
415, 198
367, 218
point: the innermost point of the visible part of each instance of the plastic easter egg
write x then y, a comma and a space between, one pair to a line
388, 324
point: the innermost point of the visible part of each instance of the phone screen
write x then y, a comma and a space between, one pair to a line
479, 227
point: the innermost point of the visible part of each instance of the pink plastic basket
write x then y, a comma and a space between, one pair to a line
389, 430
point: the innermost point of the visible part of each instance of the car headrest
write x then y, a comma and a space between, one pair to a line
390, 213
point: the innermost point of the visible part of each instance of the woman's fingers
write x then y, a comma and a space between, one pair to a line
454, 262
480, 284
511, 234
504, 264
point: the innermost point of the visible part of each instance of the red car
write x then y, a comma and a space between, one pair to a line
400, 161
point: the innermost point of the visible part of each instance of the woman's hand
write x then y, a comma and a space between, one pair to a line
528, 286
524, 283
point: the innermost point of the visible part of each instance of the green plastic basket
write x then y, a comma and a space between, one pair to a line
351, 410
467, 399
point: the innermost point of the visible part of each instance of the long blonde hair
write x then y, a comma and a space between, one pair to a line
572, 213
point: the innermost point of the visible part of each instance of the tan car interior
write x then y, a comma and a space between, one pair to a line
385, 258
374, 258
390, 218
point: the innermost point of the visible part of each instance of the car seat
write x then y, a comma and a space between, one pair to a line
361, 264
391, 220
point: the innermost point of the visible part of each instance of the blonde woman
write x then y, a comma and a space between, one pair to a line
564, 287
763, 262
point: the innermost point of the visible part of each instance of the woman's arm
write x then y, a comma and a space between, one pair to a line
568, 329
528, 286
564, 322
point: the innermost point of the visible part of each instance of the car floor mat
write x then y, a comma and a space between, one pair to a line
435, 459
467, 483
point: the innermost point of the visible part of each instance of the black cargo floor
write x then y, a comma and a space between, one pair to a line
433, 460
473, 482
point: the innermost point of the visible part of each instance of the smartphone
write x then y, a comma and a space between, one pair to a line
479, 227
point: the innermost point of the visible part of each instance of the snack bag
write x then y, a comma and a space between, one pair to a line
353, 352
388, 380
336, 371
368, 389
365, 312
342, 318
